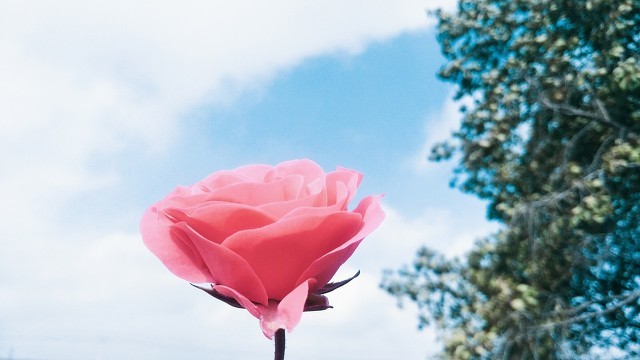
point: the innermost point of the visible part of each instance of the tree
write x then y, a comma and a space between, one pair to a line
552, 141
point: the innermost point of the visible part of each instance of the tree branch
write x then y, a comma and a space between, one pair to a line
626, 300
601, 115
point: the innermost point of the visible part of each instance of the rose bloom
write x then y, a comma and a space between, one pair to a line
267, 238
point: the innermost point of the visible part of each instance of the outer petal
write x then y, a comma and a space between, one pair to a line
326, 266
285, 314
282, 251
226, 267
180, 256
241, 299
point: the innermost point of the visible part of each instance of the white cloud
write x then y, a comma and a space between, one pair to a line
108, 297
364, 320
439, 126
362, 308
449, 231
104, 78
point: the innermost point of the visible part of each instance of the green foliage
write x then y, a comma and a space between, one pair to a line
552, 142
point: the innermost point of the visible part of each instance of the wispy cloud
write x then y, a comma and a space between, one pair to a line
84, 81
439, 126
108, 77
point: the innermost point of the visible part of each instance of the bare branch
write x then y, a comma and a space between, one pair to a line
569, 110
601, 115
527, 209
627, 299
597, 159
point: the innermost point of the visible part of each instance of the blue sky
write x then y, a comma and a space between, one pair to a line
107, 107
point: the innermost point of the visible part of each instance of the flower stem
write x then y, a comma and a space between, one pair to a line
279, 340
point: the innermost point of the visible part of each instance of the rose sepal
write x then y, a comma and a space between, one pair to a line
316, 301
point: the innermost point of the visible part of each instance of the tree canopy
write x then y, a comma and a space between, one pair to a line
551, 139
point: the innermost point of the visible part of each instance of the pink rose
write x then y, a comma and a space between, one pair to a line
268, 238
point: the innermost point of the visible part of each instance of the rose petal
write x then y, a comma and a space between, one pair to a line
309, 170
221, 179
180, 256
241, 299
326, 266
254, 173
342, 185
313, 211
213, 292
255, 193
359, 177
372, 214
321, 207
184, 197
217, 221
264, 236
284, 208
282, 251
226, 267
285, 314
